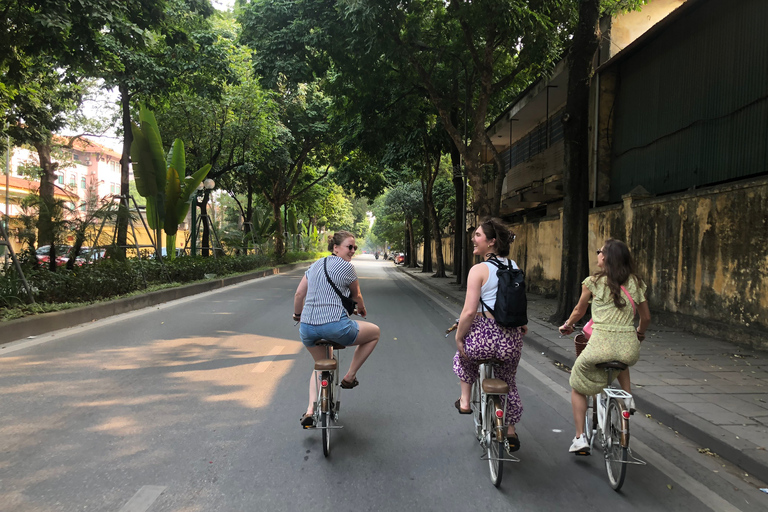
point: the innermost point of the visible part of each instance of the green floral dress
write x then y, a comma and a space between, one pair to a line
613, 335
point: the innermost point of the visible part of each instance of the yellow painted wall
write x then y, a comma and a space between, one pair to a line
704, 255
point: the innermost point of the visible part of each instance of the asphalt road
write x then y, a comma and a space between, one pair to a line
195, 406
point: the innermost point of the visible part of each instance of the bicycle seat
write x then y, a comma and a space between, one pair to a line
612, 365
328, 343
492, 361
495, 387
325, 364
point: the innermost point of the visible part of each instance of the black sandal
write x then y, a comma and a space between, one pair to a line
349, 385
462, 411
307, 421
512, 444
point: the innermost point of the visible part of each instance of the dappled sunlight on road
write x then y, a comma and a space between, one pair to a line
238, 375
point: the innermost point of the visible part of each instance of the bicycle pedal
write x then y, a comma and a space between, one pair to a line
583, 453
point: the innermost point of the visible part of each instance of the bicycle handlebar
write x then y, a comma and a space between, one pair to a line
452, 328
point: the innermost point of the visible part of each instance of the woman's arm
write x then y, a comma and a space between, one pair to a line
298, 298
578, 311
645, 319
356, 295
474, 282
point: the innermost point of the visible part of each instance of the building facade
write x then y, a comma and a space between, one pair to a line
679, 162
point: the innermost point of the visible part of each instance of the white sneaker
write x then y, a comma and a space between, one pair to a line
630, 403
579, 445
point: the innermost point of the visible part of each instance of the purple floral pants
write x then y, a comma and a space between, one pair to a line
487, 339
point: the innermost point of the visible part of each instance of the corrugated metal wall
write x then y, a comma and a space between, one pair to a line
692, 105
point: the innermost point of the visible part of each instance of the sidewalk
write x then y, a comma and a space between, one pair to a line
713, 392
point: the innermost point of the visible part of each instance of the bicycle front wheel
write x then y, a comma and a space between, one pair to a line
494, 447
616, 455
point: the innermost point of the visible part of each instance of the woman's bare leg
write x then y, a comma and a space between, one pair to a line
367, 338
623, 379
579, 405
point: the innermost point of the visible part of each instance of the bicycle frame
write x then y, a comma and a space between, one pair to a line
614, 439
605, 397
329, 393
496, 425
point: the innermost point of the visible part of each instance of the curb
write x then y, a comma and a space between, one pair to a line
36, 325
706, 434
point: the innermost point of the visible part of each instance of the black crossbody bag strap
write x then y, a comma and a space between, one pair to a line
325, 267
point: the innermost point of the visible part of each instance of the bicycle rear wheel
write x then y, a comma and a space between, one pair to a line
590, 420
494, 447
477, 410
326, 416
616, 455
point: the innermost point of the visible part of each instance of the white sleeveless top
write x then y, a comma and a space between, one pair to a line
488, 290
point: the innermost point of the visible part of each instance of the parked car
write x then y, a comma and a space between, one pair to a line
62, 254
90, 255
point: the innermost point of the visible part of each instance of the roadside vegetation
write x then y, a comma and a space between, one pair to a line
109, 279
276, 122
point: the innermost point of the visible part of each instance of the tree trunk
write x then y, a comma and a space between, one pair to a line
575, 263
247, 226
45, 219
279, 240
123, 216
411, 243
432, 212
458, 231
426, 265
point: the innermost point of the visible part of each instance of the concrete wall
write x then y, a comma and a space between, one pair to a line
628, 26
704, 255
448, 244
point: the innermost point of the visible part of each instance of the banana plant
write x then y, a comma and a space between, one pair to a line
180, 190
149, 170
263, 225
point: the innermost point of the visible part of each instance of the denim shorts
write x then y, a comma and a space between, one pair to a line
343, 332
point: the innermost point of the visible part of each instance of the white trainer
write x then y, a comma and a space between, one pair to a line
579, 445
630, 403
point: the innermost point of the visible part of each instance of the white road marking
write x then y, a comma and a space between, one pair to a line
143, 499
264, 364
707, 497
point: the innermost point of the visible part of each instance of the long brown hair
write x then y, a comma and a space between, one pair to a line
618, 267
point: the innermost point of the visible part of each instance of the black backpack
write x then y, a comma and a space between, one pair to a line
511, 304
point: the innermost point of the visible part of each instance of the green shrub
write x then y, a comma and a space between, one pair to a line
110, 278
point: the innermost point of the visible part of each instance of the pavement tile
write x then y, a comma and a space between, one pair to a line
686, 398
735, 388
716, 414
736, 405
758, 434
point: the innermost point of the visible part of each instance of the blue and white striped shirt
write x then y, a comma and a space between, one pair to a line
322, 305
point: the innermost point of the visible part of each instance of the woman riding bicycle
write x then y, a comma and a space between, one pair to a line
614, 337
322, 315
478, 336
